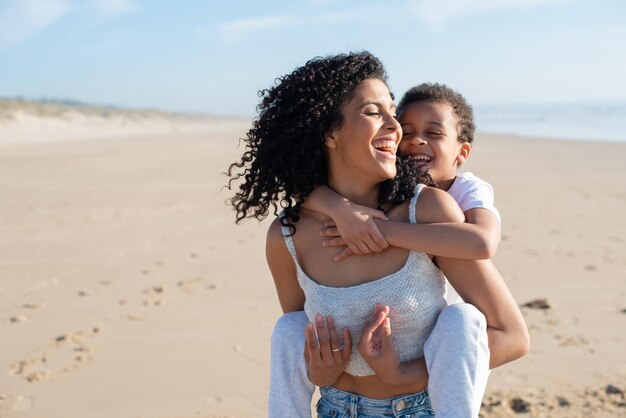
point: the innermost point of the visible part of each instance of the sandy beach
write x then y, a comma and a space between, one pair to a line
127, 290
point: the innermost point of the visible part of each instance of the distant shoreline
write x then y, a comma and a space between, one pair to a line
45, 120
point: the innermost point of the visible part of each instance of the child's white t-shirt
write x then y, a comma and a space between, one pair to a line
470, 192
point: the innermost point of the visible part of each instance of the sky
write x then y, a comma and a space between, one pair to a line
214, 56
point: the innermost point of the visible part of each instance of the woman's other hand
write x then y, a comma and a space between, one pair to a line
328, 360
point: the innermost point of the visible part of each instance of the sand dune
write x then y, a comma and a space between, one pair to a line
126, 290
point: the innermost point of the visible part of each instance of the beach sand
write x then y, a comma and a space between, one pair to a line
127, 290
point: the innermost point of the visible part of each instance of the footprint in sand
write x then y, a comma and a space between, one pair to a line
31, 369
64, 353
33, 305
542, 304
573, 341
615, 238
135, 317
187, 285
18, 319
20, 403
86, 292
154, 302
154, 293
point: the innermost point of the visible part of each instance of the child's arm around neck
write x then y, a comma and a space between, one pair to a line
365, 230
355, 223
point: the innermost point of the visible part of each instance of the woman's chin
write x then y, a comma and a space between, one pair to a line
389, 173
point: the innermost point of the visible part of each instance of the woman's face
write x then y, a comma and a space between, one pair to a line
367, 141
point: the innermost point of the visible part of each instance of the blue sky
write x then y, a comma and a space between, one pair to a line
213, 56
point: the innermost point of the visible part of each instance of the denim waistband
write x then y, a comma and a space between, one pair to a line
392, 407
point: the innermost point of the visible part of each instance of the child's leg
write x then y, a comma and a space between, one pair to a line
457, 358
290, 388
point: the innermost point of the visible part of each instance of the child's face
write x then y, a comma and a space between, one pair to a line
430, 138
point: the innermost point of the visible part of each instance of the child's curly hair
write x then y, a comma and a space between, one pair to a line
285, 155
440, 93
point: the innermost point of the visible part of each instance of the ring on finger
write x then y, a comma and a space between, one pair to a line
334, 350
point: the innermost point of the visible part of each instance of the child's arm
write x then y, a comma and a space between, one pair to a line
355, 223
488, 225
475, 239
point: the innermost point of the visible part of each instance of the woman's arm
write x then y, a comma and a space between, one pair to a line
283, 270
478, 282
324, 363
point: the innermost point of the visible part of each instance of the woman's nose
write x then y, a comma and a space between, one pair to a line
392, 123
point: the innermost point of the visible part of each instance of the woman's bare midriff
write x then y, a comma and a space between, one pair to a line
373, 387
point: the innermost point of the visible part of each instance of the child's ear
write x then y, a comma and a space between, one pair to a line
464, 152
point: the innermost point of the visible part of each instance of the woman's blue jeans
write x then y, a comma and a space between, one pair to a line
336, 403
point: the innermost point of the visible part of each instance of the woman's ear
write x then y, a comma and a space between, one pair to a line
464, 152
331, 139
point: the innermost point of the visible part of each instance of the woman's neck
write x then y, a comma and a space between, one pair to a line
356, 192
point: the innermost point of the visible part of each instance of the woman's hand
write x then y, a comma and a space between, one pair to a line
376, 346
353, 226
326, 362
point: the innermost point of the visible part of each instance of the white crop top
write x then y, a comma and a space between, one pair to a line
414, 294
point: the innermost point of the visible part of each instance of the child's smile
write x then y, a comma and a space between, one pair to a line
430, 138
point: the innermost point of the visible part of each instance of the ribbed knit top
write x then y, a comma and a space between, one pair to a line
414, 294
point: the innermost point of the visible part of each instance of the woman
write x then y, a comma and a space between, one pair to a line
332, 122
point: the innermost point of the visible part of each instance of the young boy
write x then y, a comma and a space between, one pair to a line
438, 130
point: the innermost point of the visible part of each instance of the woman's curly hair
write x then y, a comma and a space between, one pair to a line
440, 93
285, 156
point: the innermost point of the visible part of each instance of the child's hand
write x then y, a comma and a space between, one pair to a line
376, 346
354, 226
326, 362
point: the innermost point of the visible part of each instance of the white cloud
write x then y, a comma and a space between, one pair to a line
114, 7
239, 29
437, 13
21, 19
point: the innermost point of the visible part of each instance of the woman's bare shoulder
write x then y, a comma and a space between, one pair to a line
275, 231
